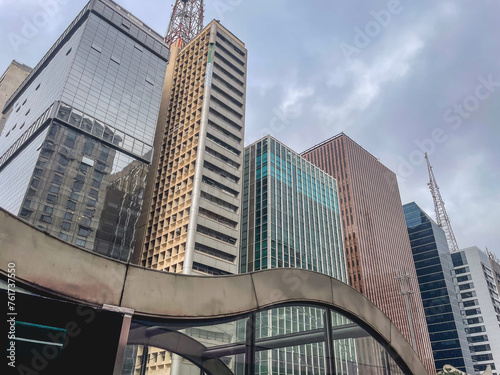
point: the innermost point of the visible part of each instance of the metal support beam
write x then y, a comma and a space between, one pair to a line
122, 343
250, 345
144, 359
329, 345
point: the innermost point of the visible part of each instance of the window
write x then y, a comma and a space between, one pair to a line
51, 198
464, 278
85, 221
470, 303
57, 179
100, 166
65, 225
98, 175
63, 160
53, 131
68, 216
468, 294
25, 213
477, 329
46, 219
466, 286
91, 202
88, 147
474, 320
71, 205
63, 236
77, 185
472, 312
480, 338
48, 209
70, 139
482, 357
83, 231
80, 242
104, 153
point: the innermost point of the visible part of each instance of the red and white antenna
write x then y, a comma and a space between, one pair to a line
186, 22
441, 216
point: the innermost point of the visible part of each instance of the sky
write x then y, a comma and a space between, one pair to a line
399, 77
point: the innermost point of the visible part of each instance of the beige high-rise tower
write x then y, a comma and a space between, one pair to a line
191, 216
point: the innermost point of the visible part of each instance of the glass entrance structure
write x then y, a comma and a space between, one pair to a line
214, 349
104, 312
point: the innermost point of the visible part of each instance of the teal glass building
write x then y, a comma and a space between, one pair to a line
290, 213
290, 218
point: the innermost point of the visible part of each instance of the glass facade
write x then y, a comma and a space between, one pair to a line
258, 349
434, 267
81, 131
290, 218
290, 213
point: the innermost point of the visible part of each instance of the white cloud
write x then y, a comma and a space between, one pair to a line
292, 103
368, 81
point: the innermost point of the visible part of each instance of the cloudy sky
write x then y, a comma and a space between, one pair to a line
396, 76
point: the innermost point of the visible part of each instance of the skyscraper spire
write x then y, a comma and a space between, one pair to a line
441, 216
186, 22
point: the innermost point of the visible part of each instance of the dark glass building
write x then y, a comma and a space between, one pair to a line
437, 283
77, 143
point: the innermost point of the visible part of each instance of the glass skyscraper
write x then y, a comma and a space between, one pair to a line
77, 144
290, 218
290, 213
434, 268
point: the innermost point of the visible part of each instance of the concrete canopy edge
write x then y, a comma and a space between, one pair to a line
45, 263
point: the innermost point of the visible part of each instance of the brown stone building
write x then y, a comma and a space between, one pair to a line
377, 248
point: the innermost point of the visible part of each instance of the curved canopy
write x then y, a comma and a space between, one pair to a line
47, 264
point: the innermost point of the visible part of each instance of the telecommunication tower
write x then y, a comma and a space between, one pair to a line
186, 22
441, 216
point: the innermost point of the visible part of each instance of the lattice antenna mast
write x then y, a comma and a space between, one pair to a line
186, 22
441, 216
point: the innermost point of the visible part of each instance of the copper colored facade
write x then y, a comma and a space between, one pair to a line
377, 247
